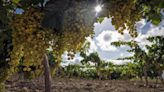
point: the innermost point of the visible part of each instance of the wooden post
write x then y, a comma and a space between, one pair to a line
47, 74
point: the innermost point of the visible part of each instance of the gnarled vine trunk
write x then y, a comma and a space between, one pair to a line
47, 74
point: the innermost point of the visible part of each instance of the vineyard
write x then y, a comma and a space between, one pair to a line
39, 40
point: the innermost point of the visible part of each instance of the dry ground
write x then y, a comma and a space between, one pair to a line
82, 85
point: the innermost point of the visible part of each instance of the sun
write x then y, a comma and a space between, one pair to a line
98, 8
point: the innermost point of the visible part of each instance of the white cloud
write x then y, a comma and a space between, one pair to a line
104, 39
105, 25
105, 33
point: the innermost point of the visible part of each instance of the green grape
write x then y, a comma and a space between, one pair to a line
124, 15
30, 40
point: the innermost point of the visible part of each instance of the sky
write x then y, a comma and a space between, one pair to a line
105, 33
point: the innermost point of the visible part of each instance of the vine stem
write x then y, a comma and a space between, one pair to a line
47, 74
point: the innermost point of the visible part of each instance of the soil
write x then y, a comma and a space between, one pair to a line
82, 85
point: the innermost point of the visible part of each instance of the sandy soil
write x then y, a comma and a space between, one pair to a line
82, 85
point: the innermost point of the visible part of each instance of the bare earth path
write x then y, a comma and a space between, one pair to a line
82, 85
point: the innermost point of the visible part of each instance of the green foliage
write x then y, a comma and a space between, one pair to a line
5, 14
153, 12
150, 62
131, 44
109, 71
156, 53
99, 20
16, 1
5, 42
5, 48
27, 3
5, 72
139, 58
2, 87
93, 57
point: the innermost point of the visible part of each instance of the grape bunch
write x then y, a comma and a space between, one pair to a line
30, 40
124, 14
